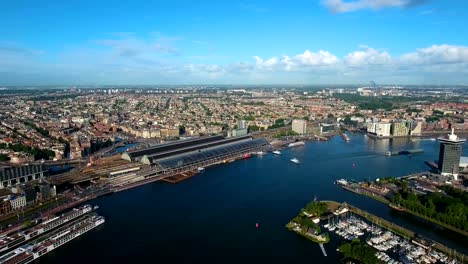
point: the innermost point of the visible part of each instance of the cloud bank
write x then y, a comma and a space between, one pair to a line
133, 61
342, 6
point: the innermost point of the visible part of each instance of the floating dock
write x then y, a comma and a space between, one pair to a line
179, 177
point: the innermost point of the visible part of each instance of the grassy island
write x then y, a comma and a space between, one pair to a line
306, 222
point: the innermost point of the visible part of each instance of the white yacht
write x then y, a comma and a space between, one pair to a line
277, 152
295, 160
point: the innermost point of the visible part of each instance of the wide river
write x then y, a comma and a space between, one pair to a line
211, 218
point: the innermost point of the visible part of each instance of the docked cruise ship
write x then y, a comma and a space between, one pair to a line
11, 241
28, 253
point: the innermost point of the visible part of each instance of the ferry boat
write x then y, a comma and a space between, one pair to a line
296, 144
11, 241
345, 137
277, 152
396, 207
295, 160
260, 153
342, 182
200, 169
29, 253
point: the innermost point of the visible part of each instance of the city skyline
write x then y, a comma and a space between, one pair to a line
250, 42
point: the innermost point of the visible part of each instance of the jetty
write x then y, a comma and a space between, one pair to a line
323, 249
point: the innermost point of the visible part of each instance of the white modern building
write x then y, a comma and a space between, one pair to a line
241, 124
383, 129
299, 126
371, 127
17, 201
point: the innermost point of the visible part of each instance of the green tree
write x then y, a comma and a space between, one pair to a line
4, 157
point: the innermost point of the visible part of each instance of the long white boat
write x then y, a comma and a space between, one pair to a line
28, 253
277, 152
11, 241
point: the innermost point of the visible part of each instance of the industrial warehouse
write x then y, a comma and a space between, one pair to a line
190, 154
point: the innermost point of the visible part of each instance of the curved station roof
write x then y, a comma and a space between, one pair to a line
189, 152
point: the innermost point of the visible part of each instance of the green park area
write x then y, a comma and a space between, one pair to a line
356, 251
304, 225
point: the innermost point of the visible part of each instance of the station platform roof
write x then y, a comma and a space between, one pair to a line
205, 154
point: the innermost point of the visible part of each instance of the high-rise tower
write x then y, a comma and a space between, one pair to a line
449, 154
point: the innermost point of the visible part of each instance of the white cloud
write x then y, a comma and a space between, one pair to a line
316, 58
297, 62
134, 47
131, 60
253, 8
367, 56
269, 64
341, 6
437, 54
427, 12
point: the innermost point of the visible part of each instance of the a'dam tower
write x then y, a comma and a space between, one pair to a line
449, 155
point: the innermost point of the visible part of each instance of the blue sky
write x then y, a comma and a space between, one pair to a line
234, 42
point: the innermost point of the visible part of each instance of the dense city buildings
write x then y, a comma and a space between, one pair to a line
100, 141
78, 123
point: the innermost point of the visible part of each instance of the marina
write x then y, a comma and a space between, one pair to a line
390, 247
344, 223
